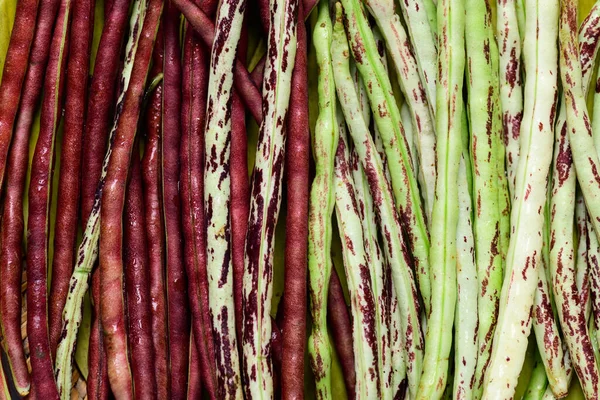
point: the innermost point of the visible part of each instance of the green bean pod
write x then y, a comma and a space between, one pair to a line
421, 111
582, 271
358, 274
422, 24
265, 202
375, 257
466, 320
527, 219
537, 382
217, 196
444, 223
394, 246
481, 105
511, 85
321, 205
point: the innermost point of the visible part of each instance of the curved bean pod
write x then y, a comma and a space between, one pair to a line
193, 106
87, 252
217, 196
67, 209
527, 220
321, 205
11, 231
137, 286
42, 371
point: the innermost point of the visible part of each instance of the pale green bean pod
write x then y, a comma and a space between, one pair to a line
321, 205
527, 219
358, 274
422, 23
511, 85
394, 246
443, 251
265, 202
217, 196
380, 278
421, 111
482, 95
466, 320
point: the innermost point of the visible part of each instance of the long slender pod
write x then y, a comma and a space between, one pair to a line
111, 228
378, 268
395, 248
546, 331
11, 231
217, 196
176, 281
397, 149
42, 372
297, 154
582, 270
423, 36
520, 8
67, 209
97, 384
12, 82
88, 249
466, 320
265, 201
152, 179
208, 31
511, 84
100, 97
101, 100
240, 191
422, 112
193, 109
137, 285
581, 140
322, 200
538, 382
504, 196
369, 187
486, 221
571, 309
527, 219
594, 243
443, 253
358, 276
194, 390
341, 332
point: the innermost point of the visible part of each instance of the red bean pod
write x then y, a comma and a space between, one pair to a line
97, 379
100, 103
341, 331
14, 72
194, 379
111, 233
296, 250
193, 107
151, 174
240, 190
206, 29
11, 232
65, 237
42, 367
137, 285
177, 298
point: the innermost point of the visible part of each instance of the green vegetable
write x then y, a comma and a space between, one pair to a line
322, 201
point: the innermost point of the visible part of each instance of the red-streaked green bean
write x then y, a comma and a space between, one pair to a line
527, 219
